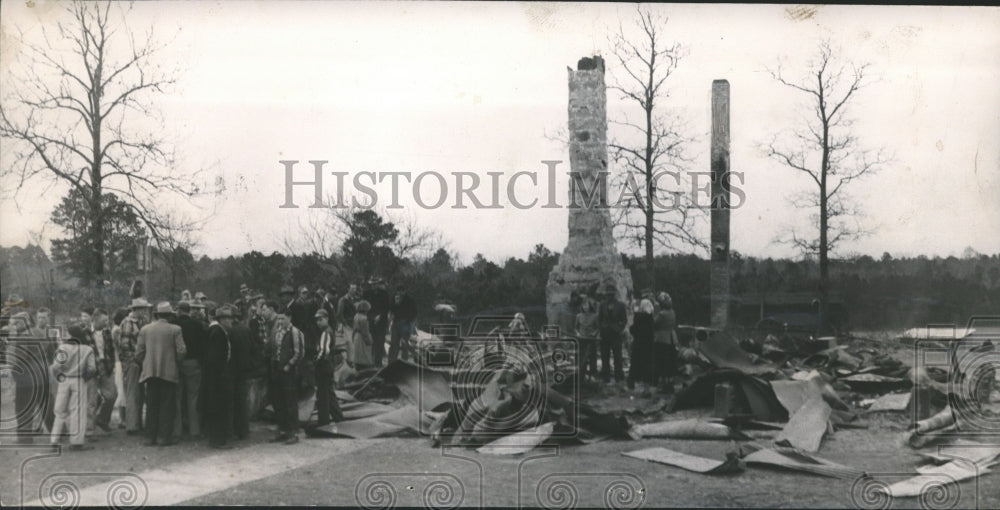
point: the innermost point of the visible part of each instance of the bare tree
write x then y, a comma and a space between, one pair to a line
79, 111
650, 154
825, 149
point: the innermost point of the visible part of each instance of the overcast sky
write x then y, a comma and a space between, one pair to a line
415, 87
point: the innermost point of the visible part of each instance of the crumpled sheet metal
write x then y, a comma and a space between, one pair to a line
794, 393
519, 442
807, 426
686, 429
787, 458
422, 386
934, 478
731, 464
406, 419
756, 393
875, 383
959, 448
358, 410
891, 402
724, 352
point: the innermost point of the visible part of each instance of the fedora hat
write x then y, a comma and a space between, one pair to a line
163, 308
224, 312
140, 303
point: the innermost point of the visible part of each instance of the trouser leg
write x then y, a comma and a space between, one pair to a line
92, 402
394, 342
192, 389
120, 386
605, 357
592, 356
153, 399
78, 402
616, 350
256, 393
286, 383
60, 409
168, 410
133, 396
378, 342
324, 378
108, 394
241, 412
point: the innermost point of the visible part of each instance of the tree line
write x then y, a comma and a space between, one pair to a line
877, 293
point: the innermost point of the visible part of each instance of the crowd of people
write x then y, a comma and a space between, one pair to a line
601, 324
194, 369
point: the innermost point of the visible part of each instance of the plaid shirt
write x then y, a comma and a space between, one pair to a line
105, 349
128, 339
298, 343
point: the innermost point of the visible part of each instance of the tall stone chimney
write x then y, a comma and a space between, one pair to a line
720, 205
590, 261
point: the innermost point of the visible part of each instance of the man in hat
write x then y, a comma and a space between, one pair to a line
256, 373
404, 318
287, 352
286, 296
240, 340
378, 317
611, 321
160, 349
302, 312
105, 392
74, 365
128, 340
219, 366
195, 336
243, 303
330, 355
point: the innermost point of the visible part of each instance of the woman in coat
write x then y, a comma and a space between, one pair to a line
641, 364
361, 344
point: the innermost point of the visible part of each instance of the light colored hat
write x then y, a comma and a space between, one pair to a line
163, 307
224, 311
140, 303
200, 295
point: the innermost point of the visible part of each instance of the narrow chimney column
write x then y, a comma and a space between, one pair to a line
720, 205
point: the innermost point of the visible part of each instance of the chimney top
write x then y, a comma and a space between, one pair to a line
590, 63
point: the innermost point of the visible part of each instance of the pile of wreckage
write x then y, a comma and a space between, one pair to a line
514, 396
796, 392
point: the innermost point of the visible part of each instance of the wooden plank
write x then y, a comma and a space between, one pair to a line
684, 461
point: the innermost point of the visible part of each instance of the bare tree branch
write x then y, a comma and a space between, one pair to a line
71, 114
